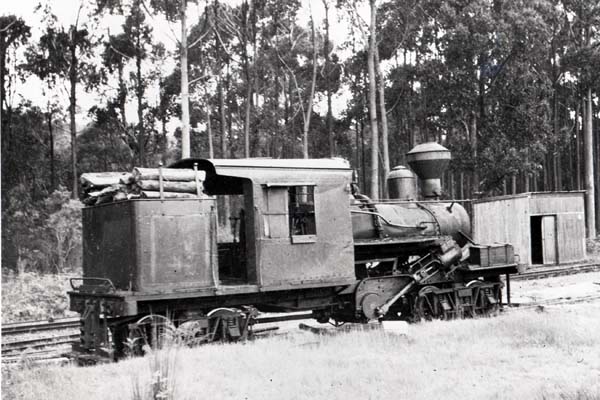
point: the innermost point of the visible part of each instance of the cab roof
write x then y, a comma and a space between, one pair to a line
222, 173
217, 165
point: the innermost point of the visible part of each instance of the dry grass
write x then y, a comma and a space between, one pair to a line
522, 355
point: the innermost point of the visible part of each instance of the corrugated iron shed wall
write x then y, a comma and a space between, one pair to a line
507, 219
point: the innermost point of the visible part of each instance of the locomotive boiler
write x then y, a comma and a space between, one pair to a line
280, 235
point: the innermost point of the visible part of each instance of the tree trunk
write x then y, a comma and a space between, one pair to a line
122, 95
51, 150
473, 132
384, 123
578, 148
526, 183
140, 92
249, 94
570, 175
597, 171
292, 120
72, 110
312, 90
590, 208
362, 155
248, 109
224, 207
513, 183
374, 189
185, 104
555, 129
223, 120
357, 148
211, 151
326, 51
285, 87
3, 50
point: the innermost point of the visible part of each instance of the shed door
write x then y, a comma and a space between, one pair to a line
549, 238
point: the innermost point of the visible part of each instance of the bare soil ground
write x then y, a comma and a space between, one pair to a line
554, 354
565, 287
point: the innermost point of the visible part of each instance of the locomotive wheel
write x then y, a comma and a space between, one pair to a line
224, 324
427, 304
369, 304
479, 301
150, 332
482, 305
194, 332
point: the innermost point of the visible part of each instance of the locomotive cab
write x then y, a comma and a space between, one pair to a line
282, 223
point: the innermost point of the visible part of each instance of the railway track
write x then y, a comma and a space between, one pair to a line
552, 302
552, 272
39, 346
38, 343
22, 328
41, 350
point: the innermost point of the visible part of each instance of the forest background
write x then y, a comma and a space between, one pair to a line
510, 87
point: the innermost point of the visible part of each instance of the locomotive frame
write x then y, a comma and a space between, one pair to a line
303, 239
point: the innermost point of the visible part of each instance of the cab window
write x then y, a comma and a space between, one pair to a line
301, 210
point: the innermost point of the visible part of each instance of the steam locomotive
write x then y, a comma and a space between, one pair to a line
300, 237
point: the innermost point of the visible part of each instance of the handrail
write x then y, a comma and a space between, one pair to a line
103, 284
419, 226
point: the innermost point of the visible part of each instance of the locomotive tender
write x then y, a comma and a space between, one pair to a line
301, 237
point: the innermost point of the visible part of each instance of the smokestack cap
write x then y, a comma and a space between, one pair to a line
429, 160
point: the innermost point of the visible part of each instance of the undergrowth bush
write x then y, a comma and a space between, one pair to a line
593, 248
33, 296
42, 236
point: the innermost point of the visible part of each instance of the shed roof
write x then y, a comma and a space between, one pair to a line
528, 195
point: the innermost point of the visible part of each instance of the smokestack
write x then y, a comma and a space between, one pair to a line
429, 161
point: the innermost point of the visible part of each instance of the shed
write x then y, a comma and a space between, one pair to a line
544, 227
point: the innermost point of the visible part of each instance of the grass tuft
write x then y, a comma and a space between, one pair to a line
158, 381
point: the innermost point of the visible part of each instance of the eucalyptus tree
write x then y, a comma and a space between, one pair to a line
64, 54
176, 10
14, 32
135, 45
583, 59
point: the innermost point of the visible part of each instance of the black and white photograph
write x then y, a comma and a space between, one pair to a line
300, 199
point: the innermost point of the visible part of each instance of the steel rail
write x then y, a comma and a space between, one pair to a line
38, 343
35, 343
73, 323
561, 271
20, 328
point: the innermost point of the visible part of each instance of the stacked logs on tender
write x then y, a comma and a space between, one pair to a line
150, 183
